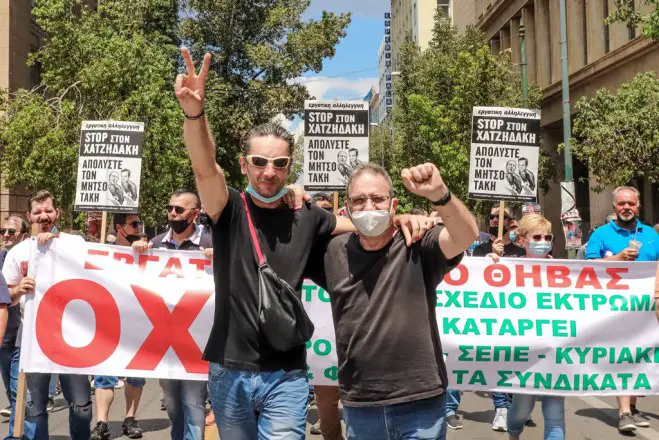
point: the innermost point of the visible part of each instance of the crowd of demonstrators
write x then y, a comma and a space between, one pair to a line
625, 239
381, 270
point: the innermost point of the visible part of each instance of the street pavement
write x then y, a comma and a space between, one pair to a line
588, 418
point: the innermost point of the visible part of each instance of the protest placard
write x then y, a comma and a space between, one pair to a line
524, 326
505, 148
335, 142
109, 166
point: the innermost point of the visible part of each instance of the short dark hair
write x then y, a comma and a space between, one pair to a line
183, 192
526, 161
25, 226
321, 197
370, 168
126, 170
268, 129
350, 150
41, 196
119, 219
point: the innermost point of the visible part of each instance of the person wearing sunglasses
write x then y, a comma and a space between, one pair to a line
128, 228
322, 200
184, 400
535, 236
45, 214
501, 247
256, 391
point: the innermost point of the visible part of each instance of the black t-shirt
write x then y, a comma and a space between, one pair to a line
383, 305
509, 250
287, 238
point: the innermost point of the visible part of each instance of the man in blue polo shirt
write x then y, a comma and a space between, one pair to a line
625, 239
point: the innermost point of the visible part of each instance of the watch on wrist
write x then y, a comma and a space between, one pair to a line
444, 200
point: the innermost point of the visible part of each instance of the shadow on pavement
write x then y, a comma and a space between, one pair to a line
147, 425
478, 416
608, 416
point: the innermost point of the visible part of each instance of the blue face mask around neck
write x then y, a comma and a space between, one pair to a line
252, 192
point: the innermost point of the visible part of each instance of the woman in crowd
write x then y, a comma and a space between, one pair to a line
534, 235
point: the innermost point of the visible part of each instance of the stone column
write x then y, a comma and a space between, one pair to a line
595, 27
542, 43
618, 32
504, 38
555, 40
530, 34
515, 57
575, 35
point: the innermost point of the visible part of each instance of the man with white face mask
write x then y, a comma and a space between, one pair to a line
383, 297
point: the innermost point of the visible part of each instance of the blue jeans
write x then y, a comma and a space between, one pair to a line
553, 411
264, 405
185, 401
109, 382
52, 386
499, 400
9, 357
420, 420
76, 391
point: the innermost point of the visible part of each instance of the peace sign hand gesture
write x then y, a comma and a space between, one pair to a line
189, 87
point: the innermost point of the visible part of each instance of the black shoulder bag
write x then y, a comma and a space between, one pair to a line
282, 318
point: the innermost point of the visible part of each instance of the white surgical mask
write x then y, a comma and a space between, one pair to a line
371, 223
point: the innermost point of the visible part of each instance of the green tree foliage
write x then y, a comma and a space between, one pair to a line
120, 63
617, 134
435, 94
625, 12
259, 48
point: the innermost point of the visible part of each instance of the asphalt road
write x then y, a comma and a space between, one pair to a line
588, 418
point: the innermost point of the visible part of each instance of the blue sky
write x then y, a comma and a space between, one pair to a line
354, 68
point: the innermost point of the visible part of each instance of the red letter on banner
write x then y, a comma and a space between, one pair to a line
49, 324
615, 272
170, 330
463, 273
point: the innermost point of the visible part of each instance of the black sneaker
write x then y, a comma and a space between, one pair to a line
100, 431
51, 405
626, 423
453, 422
130, 428
640, 419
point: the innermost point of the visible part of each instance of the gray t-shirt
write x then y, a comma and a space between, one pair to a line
383, 305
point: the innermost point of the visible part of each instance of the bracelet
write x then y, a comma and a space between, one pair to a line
194, 118
444, 200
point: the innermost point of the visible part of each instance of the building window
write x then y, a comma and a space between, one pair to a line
631, 29
607, 42
445, 5
34, 71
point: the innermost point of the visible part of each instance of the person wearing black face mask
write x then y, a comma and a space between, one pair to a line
185, 400
500, 247
128, 228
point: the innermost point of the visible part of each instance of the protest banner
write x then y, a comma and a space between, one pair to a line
523, 326
505, 148
335, 142
109, 166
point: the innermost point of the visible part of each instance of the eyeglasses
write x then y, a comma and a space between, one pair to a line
262, 161
4, 231
136, 224
177, 209
359, 202
493, 216
538, 237
329, 209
